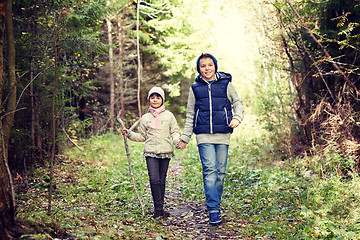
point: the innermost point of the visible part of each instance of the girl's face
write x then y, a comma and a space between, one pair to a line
207, 68
155, 101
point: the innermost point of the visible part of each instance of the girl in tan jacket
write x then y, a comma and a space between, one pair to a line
159, 130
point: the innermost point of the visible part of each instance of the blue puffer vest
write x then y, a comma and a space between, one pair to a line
212, 107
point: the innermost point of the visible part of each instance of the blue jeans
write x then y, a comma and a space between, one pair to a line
214, 159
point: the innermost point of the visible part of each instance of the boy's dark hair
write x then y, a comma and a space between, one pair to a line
206, 55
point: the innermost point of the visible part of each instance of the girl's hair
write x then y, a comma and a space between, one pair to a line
158, 95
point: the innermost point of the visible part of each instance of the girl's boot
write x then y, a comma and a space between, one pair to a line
161, 213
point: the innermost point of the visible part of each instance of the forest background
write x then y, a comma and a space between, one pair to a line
68, 68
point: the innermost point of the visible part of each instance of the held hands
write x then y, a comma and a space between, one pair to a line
181, 144
234, 123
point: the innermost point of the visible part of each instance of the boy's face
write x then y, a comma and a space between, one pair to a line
155, 101
207, 68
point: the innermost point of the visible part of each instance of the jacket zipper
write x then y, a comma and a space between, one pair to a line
226, 115
196, 117
210, 105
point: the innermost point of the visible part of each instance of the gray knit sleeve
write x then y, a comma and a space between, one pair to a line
190, 112
237, 104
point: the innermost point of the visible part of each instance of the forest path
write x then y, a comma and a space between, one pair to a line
189, 220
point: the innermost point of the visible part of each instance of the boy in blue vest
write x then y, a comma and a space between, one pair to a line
213, 110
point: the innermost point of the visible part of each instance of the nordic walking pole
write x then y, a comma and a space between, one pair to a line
129, 161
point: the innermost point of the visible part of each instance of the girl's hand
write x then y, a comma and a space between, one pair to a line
125, 131
181, 144
234, 123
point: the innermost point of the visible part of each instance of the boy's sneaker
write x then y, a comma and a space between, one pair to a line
214, 219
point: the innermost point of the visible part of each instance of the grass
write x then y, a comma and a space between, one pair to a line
270, 198
283, 203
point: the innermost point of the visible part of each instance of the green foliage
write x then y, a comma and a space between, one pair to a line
78, 129
276, 201
75, 27
192, 175
94, 197
94, 192
174, 38
281, 203
324, 63
272, 196
85, 15
328, 163
273, 108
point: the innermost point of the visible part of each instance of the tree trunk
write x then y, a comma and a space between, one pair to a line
7, 208
56, 40
138, 56
32, 105
120, 59
39, 144
7, 201
2, 29
11, 104
111, 72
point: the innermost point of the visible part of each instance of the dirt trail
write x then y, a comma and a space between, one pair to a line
189, 220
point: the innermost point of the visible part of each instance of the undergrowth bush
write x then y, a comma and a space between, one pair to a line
325, 163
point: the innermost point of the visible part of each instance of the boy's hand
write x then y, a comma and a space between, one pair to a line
181, 144
125, 131
234, 123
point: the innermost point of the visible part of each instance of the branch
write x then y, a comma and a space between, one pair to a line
68, 137
3, 116
151, 15
154, 5
318, 69
153, 9
129, 162
324, 50
31, 82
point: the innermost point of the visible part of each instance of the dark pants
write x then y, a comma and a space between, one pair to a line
157, 169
